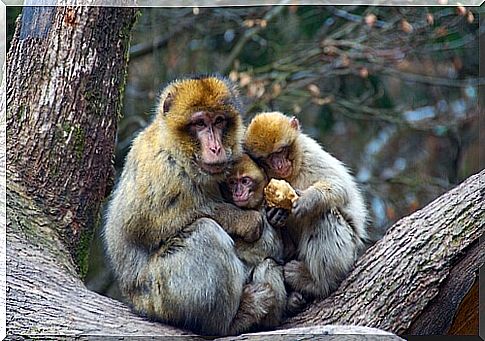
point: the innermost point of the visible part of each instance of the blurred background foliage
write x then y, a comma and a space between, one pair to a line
391, 91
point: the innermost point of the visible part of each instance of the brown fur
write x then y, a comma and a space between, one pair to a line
269, 245
327, 222
192, 95
167, 226
267, 133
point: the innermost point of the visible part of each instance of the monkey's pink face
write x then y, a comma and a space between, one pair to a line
208, 129
279, 163
242, 189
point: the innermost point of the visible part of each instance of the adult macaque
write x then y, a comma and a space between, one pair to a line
328, 220
167, 227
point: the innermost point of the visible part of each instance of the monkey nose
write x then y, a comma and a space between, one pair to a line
215, 149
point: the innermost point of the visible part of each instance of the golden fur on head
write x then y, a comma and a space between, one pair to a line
184, 97
268, 132
246, 166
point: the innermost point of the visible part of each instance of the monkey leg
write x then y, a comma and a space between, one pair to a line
270, 245
326, 254
198, 284
263, 300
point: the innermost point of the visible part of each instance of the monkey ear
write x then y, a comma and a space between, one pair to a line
166, 103
294, 123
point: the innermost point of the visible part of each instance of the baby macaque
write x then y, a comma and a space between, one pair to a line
246, 186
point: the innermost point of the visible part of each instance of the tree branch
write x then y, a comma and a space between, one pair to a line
392, 285
248, 35
143, 49
397, 278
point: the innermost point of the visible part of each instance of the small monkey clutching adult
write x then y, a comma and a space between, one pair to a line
244, 187
245, 184
168, 230
328, 220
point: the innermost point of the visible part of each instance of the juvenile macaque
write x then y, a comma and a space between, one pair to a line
168, 229
246, 184
328, 220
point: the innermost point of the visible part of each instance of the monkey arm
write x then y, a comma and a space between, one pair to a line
247, 224
298, 277
319, 197
333, 194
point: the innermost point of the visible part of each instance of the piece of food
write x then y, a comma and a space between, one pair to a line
279, 193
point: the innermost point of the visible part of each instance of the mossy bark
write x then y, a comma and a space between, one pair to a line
65, 75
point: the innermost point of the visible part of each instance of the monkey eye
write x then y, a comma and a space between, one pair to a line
246, 181
200, 123
231, 182
219, 120
280, 150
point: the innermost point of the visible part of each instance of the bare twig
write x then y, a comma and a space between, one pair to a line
248, 35
159, 42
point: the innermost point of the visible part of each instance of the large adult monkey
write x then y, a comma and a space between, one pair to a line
167, 228
328, 221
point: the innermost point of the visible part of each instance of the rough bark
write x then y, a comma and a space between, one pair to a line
415, 270
65, 77
391, 285
44, 294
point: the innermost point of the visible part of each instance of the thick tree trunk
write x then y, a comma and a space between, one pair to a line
65, 76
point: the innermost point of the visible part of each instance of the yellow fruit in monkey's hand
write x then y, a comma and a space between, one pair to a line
279, 193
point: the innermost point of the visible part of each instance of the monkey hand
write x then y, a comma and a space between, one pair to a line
293, 272
306, 203
277, 216
296, 303
252, 226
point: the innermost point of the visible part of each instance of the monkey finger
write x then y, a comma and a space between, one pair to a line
298, 208
296, 302
274, 216
253, 235
280, 218
292, 273
271, 212
302, 206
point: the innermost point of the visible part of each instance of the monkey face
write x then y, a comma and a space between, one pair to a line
246, 183
279, 164
208, 129
242, 189
202, 122
270, 139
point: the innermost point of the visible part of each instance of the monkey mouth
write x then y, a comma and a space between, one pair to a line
213, 168
242, 200
283, 172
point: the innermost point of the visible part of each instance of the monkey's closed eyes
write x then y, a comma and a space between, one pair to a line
326, 245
